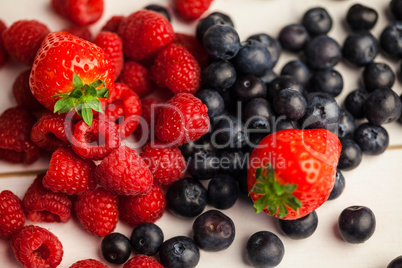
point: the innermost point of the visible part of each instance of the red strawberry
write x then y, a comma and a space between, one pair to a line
12, 217
68, 173
292, 172
80, 31
23, 39
84, 77
191, 43
15, 144
192, 9
80, 12
176, 69
142, 261
113, 46
183, 119
97, 211
112, 25
124, 172
35, 246
42, 205
166, 163
22, 93
149, 207
3, 51
137, 77
150, 113
88, 263
144, 34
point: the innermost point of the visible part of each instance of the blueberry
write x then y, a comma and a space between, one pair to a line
147, 238
317, 21
339, 186
382, 106
204, 24
203, 165
264, 249
271, 43
247, 87
396, 8
253, 142
160, 9
190, 148
229, 132
283, 123
356, 224
290, 103
179, 251
268, 76
329, 81
351, 155
186, 197
378, 75
360, 48
213, 100
297, 69
226, 18
233, 162
300, 228
391, 41
258, 114
221, 42
322, 52
360, 17
219, 75
354, 102
222, 191
396, 263
282, 82
372, 139
213, 231
116, 248
293, 37
230, 103
346, 125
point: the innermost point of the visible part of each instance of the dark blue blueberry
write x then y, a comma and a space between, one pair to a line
203, 165
264, 249
243, 187
297, 69
190, 148
346, 125
268, 76
372, 139
229, 132
396, 8
382, 106
223, 191
226, 18
339, 186
258, 114
283, 123
233, 162
204, 24
253, 142
186, 197
356, 224
317, 21
218, 75
377, 75
221, 42
179, 251
354, 102
160, 9
290, 103
147, 238
351, 155
213, 100
272, 44
116, 248
329, 81
282, 82
293, 37
391, 40
230, 103
360, 48
397, 262
360, 17
247, 87
300, 228
322, 52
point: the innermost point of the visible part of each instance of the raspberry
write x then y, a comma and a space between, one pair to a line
15, 128
137, 77
12, 218
68, 173
182, 120
80, 31
166, 163
22, 92
124, 172
142, 261
113, 46
144, 34
191, 9
96, 141
97, 211
3, 52
23, 38
49, 132
191, 43
150, 113
35, 246
112, 25
175, 68
88, 263
80, 12
149, 207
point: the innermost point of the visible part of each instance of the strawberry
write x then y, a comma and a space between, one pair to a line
137, 77
142, 261
112, 25
292, 172
12, 218
3, 52
88, 263
191, 43
80, 12
22, 93
85, 77
191, 9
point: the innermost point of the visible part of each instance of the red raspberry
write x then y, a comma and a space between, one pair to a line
68, 173
49, 132
96, 141
144, 34
183, 119
22, 92
166, 163
192, 9
124, 172
15, 144
176, 69
113, 46
142, 261
12, 217
80, 12
112, 25
42, 205
3, 52
149, 207
35, 246
191, 43
137, 77
150, 113
97, 211
80, 31
23, 38
88, 263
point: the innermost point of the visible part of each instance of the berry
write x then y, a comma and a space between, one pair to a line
300, 228
150, 112
203, 165
354, 102
247, 87
3, 52
160, 9
272, 44
223, 191
396, 9
360, 48
283, 82
258, 115
346, 125
233, 162
191, 43
97, 211
213, 100
221, 42
124, 172
88, 263
142, 261
229, 132
12, 214
356, 224
290, 103
179, 251
35, 246
382, 106
339, 186
264, 249
42, 205
191, 9
372, 139
377, 75
360, 17
137, 77
293, 37
112, 25
116, 248
79, 12
147, 238
202, 144
395, 263
82, 32
22, 93
329, 81
297, 69
390, 40
317, 21
322, 52
205, 23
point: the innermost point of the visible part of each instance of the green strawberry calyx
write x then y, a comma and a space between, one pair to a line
275, 197
83, 97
